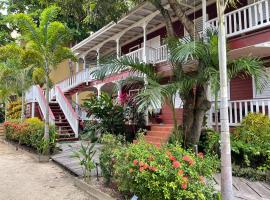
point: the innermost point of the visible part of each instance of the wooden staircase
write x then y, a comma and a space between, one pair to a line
63, 128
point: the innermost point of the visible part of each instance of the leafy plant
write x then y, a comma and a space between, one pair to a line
110, 144
110, 116
169, 172
30, 133
85, 155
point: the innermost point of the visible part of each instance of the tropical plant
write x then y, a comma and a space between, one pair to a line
109, 116
85, 156
110, 144
169, 172
30, 133
47, 42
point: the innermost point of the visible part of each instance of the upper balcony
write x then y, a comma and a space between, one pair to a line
140, 34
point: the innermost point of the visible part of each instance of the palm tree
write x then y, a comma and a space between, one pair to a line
183, 82
48, 41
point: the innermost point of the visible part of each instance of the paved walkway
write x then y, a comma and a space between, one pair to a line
65, 158
23, 178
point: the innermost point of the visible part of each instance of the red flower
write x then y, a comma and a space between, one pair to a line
186, 158
176, 164
154, 169
145, 166
168, 153
141, 164
135, 162
130, 170
180, 172
200, 155
172, 158
184, 186
141, 169
191, 162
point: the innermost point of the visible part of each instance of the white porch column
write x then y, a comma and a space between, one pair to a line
117, 48
84, 62
33, 109
98, 56
99, 89
77, 94
204, 15
144, 42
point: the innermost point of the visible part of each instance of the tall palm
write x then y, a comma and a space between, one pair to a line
48, 41
183, 81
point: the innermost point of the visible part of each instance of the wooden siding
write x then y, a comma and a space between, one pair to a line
241, 88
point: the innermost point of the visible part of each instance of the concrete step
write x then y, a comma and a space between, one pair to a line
161, 128
156, 139
158, 133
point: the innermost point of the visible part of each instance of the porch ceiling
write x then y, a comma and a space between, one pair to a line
128, 27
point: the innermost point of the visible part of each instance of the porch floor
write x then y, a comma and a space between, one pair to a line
243, 189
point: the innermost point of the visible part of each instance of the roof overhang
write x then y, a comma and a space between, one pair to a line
127, 28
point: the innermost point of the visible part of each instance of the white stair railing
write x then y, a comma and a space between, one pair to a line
247, 18
68, 111
36, 94
239, 109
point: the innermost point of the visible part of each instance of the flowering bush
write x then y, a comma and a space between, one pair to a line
169, 172
29, 132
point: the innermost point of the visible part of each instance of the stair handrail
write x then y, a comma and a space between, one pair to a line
40, 98
68, 111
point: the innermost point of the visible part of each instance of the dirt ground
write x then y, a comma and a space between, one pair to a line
23, 178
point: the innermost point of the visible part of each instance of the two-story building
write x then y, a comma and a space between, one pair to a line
140, 34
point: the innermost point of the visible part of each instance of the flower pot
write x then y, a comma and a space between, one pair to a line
43, 158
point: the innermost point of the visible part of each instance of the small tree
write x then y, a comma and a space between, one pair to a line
47, 41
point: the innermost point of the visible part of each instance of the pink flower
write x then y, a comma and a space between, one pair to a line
200, 155
154, 169
180, 172
135, 162
176, 164
141, 164
141, 169
172, 158
184, 186
145, 166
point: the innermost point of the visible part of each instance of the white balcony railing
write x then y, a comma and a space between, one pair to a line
239, 109
135, 55
161, 54
36, 94
68, 111
247, 18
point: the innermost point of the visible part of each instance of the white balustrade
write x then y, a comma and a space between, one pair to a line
161, 54
247, 18
36, 94
136, 55
239, 109
68, 111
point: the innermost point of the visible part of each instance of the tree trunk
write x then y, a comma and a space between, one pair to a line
22, 112
5, 110
226, 168
195, 107
47, 118
183, 18
216, 112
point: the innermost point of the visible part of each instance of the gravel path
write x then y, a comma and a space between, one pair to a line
23, 178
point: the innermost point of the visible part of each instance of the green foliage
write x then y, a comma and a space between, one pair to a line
85, 156
168, 172
14, 109
109, 115
251, 142
30, 133
110, 144
90, 131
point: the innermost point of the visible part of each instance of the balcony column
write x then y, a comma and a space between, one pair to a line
98, 56
33, 109
84, 62
204, 15
117, 47
144, 26
98, 87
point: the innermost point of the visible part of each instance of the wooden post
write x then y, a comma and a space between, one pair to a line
226, 168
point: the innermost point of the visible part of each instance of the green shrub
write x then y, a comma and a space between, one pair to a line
251, 142
14, 109
109, 115
110, 144
169, 172
30, 133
